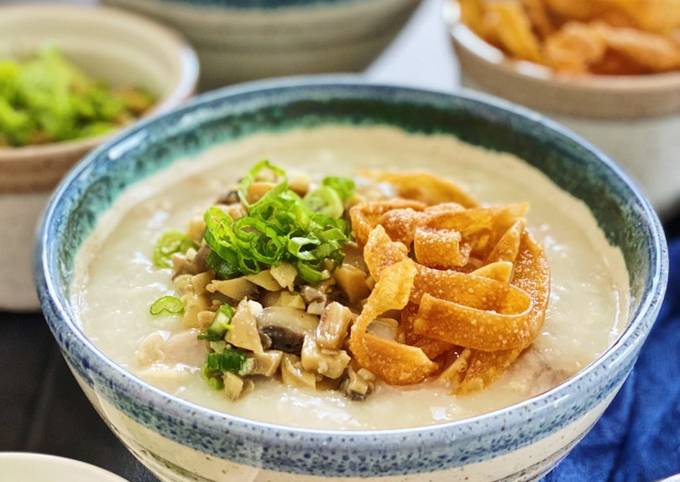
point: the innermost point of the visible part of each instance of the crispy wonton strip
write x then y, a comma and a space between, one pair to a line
466, 289
507, 247
439, 248
365, 216
423, 186
394, 362
532, 275
481, 329
433, 348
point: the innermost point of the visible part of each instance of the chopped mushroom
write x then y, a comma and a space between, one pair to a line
229, 197
243, 332
193, 305
258, 189
196, 229
329, 363
315, 298
265, 280
333, 326
284, 298
293, 374
284, 274
236, 289
201, 280
352, 281
299, 183
358, 384
267, 363
183, 284
384, 328
233, 385
285, 328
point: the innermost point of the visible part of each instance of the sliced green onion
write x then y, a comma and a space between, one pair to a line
344, 186
168, 244
220, 324
280, 227
326, 201
170, 305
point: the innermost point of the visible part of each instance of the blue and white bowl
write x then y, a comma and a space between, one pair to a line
239, 40
180, 441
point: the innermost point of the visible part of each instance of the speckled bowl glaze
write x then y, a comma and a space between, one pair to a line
180, 441
239, 40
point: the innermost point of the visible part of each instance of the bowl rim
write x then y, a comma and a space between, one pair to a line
491, 55
55, 303
181, 90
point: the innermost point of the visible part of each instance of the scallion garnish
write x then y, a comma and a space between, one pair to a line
169, 305
280, 227
220, 324
168, 244
229, 360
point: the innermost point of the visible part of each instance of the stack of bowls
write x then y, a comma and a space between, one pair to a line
240, 40
633, 118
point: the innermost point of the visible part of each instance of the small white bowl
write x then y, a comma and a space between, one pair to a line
108, 44
635, 118
239, 40
28, 467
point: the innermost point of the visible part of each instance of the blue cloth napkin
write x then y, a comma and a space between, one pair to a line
638, 437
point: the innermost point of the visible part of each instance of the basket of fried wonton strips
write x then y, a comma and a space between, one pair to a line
608, 69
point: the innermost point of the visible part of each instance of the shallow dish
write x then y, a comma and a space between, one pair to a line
179, 440
28, 467
633, 118
243, 40
108, 44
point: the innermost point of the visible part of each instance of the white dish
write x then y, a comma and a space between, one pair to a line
29, 467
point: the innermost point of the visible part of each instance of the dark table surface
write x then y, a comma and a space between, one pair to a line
42, 408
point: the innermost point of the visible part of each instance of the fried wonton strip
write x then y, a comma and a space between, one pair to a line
467, 289
394, 362
365, 216
483, 368
423, 186
440, 248
507, 247
653, 51
574, 48
538, 14
480, 329
494, 221
401, 224
432, 348
514, 30
500, 271
532, 275
380, 251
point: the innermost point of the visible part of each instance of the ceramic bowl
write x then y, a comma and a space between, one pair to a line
634, 119
28, 467
180, 441
240, 40
115, 46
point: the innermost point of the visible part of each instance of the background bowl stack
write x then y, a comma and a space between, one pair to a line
239, 40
